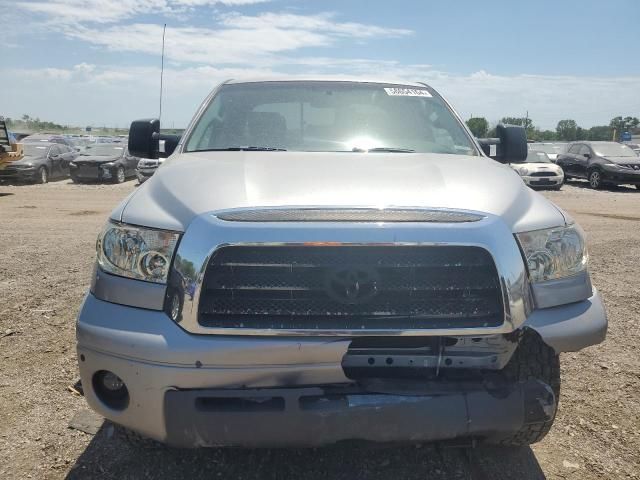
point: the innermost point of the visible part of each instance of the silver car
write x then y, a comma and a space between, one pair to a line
538, 171
321, 261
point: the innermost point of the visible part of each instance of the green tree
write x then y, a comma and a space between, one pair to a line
620, 124
567, 130
478, 126
525, 122
600, 132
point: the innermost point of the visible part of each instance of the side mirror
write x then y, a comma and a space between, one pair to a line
510, 146
586, 155
143, 138
168, 144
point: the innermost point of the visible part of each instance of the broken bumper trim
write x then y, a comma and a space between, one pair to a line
316, 416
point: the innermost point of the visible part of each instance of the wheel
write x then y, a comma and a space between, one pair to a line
533, 359
120, 177
43, 175
75, 179
595, 179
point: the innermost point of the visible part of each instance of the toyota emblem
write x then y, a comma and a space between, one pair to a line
352, 285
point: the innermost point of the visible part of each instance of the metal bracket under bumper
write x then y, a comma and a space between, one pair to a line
315, 416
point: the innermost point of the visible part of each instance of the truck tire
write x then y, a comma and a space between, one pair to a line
533, 359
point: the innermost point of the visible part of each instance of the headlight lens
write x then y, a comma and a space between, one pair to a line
136, 252
554, 252
107, 165
523, 171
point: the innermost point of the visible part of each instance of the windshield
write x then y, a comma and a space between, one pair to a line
553, 148
35, 150
328, 117
537, 157
613, 150
102, 150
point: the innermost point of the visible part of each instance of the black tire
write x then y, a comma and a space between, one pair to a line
119, 176
75, 179
595, 179
533, 359
43, 176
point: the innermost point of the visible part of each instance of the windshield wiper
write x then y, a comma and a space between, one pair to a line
243, 149
384, 149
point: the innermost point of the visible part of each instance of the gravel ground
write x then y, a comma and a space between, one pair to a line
46, 252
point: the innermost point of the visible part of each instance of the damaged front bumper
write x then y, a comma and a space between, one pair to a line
208, 390
317, 416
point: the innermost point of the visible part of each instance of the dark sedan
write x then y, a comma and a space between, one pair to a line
601, 163
42, 161
109, 162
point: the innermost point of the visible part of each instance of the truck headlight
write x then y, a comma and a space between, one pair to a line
523, 171
554, 252
136, 252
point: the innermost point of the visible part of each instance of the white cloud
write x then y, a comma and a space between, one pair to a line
114, 96
108, 11
323, 22
239, 40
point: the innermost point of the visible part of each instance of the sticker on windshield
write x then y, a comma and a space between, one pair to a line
407, 92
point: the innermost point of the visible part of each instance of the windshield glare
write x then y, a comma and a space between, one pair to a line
537, 157
328, 117
103, 150
613, 150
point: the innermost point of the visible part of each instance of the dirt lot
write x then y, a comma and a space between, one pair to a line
47, 238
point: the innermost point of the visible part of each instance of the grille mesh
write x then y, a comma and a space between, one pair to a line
314, 287
347, 215
543, 174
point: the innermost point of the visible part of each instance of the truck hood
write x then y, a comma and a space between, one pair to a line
191, 184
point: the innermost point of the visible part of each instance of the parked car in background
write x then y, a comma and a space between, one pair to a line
601, 163
104, 162
147, 167
551, 149
538, 171
41, 161
48, 138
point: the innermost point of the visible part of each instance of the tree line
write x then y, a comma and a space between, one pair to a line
32, 124
566, 130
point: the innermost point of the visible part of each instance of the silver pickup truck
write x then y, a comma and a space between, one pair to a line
320, 261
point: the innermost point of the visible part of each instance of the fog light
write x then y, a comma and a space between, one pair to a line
111, 390
112, 382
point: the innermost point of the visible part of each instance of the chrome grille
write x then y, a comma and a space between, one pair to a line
351, 288
348, 215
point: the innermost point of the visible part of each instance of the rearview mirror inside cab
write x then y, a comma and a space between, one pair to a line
510, 146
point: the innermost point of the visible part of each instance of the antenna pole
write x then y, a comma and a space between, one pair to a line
164, 29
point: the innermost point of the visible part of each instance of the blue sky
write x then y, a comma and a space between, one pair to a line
96, 62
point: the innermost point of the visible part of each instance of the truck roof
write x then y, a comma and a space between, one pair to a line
323, 79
